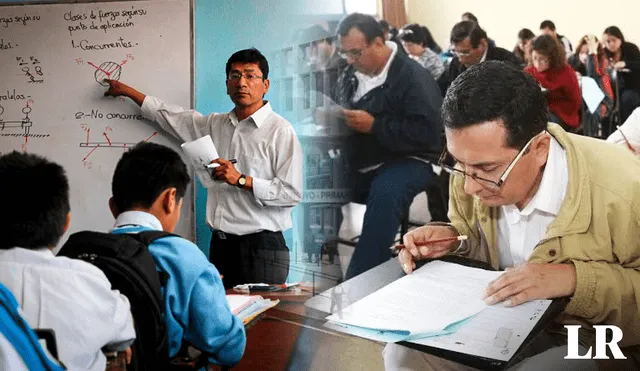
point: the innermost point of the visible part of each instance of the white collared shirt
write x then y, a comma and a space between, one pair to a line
484, 56
519, 231
72, 297
367, 83
138, 218
266, 148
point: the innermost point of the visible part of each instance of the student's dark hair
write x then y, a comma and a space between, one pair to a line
363, 23
252, 55
492, 91
386, 27
36, 202
526, 34
551, 48
469, 29
614, 31
414, 33
470, 16
547, 24
144, 172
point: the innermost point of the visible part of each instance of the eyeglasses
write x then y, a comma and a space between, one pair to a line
353, 53
464, 53
446, 158
236, 76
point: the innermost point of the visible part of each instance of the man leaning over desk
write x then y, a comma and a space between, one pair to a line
557, 211
247, 210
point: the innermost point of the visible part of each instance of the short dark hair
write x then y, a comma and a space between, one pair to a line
551, 48
470, 16
494, 90
36, 201
144, 172
414, 33
548, 24
385, 25
363, 23
469, 29
251, 55
526, 34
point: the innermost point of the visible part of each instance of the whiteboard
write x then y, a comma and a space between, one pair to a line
54, 58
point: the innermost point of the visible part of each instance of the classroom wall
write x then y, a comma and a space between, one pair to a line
502, 19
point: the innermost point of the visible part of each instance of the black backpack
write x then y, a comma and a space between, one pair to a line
126, 261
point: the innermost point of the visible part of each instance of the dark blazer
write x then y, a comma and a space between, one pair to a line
406, 109
494, 53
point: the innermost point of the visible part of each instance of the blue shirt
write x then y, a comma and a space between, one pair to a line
196, 307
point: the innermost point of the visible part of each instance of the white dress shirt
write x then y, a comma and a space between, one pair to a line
267, 149
10, 360
366, 83
519, 231
72, 297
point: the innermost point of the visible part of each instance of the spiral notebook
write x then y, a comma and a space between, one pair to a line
247, 307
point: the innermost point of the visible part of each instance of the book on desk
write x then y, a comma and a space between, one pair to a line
248, 307
463, 331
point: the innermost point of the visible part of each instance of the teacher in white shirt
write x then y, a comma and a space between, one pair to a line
251, 204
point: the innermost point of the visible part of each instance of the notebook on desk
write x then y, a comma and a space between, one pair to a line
487, 339
247, 307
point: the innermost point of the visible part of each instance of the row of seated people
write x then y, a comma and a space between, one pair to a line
76, 300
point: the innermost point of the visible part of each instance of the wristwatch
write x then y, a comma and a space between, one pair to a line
242, 181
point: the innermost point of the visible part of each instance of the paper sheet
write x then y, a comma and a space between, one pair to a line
497, 332
591, 93
424, 302
201, 152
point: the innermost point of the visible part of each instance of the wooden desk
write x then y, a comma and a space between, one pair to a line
287, 338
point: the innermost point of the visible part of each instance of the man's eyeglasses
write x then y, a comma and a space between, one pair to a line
448, 162
236, 76
463, 53
353, 53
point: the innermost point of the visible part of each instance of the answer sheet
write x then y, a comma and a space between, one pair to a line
497, 332
425, 302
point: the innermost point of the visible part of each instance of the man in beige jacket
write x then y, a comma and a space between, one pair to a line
560, 213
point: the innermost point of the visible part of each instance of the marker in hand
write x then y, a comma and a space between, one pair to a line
211, 166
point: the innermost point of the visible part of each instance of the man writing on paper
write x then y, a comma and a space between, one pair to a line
558, 211
251, 205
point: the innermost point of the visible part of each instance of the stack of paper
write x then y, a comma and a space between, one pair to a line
247, 307
440, 305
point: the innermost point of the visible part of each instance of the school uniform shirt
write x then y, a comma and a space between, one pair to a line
72, 297
266, 148
563, 92
196, 309
519, 231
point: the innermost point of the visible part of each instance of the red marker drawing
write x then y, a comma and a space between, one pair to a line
152, 135
99, 69
88, 131
89, 154
108, 140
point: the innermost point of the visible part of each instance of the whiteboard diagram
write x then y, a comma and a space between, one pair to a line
54, 60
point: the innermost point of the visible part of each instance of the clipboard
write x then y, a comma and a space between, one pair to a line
556, 307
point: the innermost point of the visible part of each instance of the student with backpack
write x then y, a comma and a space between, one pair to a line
71, 297
148, 185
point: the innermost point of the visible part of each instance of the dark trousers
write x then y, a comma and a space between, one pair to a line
629, 101
388, 192
261, 257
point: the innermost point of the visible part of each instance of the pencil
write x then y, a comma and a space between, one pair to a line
626, 140
431, 242
214, 165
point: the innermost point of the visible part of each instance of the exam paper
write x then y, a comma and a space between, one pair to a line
497, 332
591, 93
425, 302
201, 152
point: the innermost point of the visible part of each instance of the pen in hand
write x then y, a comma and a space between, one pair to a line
431, 242
211, 166
626, 140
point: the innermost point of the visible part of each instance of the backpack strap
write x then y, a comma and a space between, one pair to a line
147, 238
